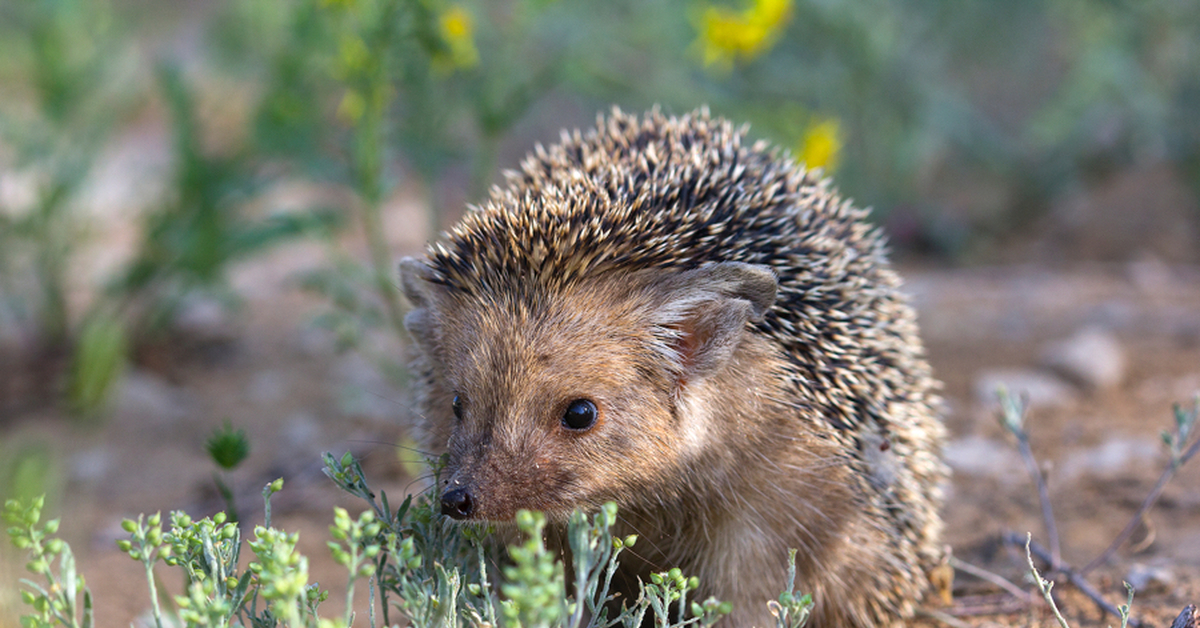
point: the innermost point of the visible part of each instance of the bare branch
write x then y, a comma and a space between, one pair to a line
1168, 473
1012, 418
1074, 577
996, 579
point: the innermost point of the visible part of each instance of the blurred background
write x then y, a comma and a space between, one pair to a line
201, 203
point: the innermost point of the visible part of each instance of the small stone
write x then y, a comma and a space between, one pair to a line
150, 397
1092, 358
1151, 578
1038, 388
267, 387
204, 318
91, 465
301, 431
1111, 457
976, 455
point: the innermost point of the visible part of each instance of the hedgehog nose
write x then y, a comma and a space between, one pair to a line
456, 504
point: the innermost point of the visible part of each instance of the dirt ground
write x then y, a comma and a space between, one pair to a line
271, 373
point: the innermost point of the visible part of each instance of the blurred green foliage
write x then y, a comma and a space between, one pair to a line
970, 118
71, 89
190, 241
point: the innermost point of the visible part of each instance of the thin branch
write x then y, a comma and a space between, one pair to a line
1012, 418
1044, 498
1148, 503
996, 579
1005, 606
1043, 585
1073, 576
943, 617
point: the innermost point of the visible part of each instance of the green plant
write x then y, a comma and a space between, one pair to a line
190, 241
70, 83
72, 76
58, 602
227, 448
792, 610
432, 574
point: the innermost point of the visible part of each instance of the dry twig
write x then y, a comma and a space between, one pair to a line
1076, 579
994, 578
1012, 417
1184, 423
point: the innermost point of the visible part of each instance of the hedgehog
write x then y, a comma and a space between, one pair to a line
662, 314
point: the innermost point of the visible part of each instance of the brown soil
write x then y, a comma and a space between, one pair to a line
295, 395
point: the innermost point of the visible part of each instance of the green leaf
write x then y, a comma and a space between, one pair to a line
97, 363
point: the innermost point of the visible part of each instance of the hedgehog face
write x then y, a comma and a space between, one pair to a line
551, 403
564, 400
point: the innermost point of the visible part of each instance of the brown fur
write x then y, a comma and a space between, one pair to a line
759, 380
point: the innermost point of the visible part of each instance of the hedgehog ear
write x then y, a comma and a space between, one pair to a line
416, 279
706, 311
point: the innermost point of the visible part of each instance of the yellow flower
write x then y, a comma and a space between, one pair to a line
352, 107
727, 36
456, 29
353, 56
821, 145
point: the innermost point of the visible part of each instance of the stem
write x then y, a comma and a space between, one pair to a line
354, 565
227, 495
371, 600
485, 587
51, 262
381, 263
484, 165
1045, 586
153, 589
368, 164
1043, 499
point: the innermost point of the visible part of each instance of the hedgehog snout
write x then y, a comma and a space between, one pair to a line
457, 503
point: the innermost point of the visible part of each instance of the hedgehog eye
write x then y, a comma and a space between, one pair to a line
457, 406
580, 415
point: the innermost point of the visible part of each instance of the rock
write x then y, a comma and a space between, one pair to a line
91, 465
267, 387
1040, 389
1151, 578
302, 432
1111, 457
976, 455
205, 318
1092, 358
151, 398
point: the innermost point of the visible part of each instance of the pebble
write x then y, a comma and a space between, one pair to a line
148, 396
205, 318
267, 387
1112, 457
91, 465
1092, 358
1039, 388
302, 432
1151, 578
980, 456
